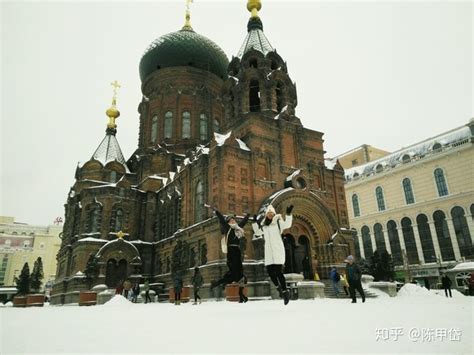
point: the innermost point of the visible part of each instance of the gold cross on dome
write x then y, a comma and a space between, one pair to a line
187, 24
120, 235
116, 86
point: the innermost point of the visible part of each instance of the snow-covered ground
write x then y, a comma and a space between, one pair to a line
416, 321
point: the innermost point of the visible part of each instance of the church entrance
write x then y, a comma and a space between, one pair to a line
115, 272
297, 255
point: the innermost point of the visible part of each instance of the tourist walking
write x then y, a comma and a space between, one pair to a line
335, 278
178, 286
232, 234
270, 228
446, 282
135, 291
197, 282
354, 279
146, 287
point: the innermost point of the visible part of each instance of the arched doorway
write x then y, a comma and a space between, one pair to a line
290, 247
303, 257
115, 272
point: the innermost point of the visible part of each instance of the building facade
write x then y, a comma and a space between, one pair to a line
211, 132
359, 156
417, 203
22, 243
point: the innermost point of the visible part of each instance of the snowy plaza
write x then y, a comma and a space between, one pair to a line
415, 321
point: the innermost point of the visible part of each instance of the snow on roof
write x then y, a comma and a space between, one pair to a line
222, 138
417, 150
242, 145
291, 176
172, 175
330, 163
468, 266
92, 239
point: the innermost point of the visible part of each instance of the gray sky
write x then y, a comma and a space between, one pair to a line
382, 73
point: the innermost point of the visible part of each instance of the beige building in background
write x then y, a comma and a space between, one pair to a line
417, 203
360, 155
20, 243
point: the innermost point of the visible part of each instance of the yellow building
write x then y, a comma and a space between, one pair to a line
417, 203
360, 155
20, 243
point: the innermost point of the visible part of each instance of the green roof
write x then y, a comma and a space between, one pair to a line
184, 48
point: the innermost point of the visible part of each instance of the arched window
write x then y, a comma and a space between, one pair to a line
203, 254
409, 198
168, 124
199, 202
253, 63
154, 128
379, 238
406, 158
118, 225
215, 125
203, 131
94, 219
355, 205
461, 229
394, 241
426, 238
280, 100
254, 96
186, 132
367, 243
440, 182
356, 245
437, 146
442, 233
380, 199
113, 176
409, 238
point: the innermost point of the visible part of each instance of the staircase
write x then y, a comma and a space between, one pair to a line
329, 291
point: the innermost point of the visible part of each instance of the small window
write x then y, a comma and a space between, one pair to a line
168, 124
437, 146
216, 125
380, 198
203, 131
441, 182
354, 162
355, 205
113, 176
407, 188
186, 132
253, 63
406, 158
154, 128
379, 168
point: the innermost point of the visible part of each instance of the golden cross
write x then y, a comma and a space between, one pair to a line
115, 85
187, 24
120, 234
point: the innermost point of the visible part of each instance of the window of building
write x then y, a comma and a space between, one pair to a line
113, 176
380, 198
444, 238
462, 279
356, 244
186, 132
437, 146
367, 242
463, 235
379, 238
168, 124
426, 239
354, 162
254, 96
394, 241
154, 128
355, 205
118, 220
216, 126
203, 130
199, 205
253, 63
406, 158
407, 189
26, 244
94, 219
379, 168
280, 100
409, 238
440, 182
203, 254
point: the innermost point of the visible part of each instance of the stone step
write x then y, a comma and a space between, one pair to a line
329, 291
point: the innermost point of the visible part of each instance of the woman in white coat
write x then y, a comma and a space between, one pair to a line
271, 228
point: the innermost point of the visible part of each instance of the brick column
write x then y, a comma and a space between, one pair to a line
419, 249
454, 239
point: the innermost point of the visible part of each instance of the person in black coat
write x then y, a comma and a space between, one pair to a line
354, 279
136, 291
446, 282
233, 232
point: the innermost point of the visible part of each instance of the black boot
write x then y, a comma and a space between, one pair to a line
286, 297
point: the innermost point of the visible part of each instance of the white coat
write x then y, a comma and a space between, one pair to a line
274, 248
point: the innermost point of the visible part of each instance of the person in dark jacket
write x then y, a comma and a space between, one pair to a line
197, 282
446, 282
233, 232
427, 283
178, 287
146, 287
136, 292
353, 278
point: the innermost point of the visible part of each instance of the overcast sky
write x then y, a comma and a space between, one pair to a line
382, 73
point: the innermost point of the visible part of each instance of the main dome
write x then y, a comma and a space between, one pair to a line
184, 48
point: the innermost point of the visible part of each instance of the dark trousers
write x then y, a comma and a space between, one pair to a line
177, 296
356, 285
196, 294
147, 296
236, 269
276, 275
446, 289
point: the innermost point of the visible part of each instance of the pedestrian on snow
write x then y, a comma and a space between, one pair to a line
353, 278
146, 287
271, 228
446, 282
178, 286
233, 233
306, 268
119, 288
427, 283
335, 278
345, 285
135, 291
197, 282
